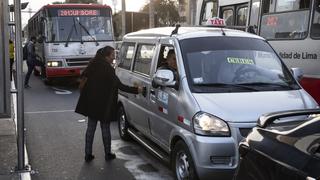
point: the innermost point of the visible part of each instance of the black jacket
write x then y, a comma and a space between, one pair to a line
99, 96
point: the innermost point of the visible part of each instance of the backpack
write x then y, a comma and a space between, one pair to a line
25, 51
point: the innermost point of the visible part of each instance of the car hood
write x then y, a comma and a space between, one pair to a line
248, 106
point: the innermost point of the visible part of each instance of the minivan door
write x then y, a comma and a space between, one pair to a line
163, 103
141, 75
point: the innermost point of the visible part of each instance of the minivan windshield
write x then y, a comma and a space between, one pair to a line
234, 64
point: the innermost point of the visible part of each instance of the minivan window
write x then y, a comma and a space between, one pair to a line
234, 64
126, 55
143, 58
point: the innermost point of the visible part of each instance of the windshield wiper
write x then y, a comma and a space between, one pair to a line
86, 30
70, 33
228, 85
291, 86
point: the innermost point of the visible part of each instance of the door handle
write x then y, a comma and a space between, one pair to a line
153, 95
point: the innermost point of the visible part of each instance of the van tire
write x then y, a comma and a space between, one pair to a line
181, 160
123, 124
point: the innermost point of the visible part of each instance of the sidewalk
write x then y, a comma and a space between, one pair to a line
8, 147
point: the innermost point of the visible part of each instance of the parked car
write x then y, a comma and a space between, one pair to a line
195, 114
284, 145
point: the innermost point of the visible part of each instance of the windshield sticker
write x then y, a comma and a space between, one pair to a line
234, 60
198, 80
163, 97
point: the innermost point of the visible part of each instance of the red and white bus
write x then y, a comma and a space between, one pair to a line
292, 27
69, 35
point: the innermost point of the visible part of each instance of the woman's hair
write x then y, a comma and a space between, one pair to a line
103, 52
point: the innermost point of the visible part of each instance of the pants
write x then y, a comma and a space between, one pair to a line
11, 68
31, 64
106, 135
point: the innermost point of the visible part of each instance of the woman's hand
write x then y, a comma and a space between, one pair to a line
140, 89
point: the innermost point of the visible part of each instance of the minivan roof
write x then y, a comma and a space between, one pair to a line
190, 32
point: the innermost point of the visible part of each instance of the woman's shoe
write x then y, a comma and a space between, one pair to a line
110, 156
88, 157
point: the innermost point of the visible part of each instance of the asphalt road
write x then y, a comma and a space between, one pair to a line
55, 137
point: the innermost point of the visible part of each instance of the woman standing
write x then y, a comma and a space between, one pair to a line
98, 99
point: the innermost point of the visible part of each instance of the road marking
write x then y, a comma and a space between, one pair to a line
61, 91
43, 112
134, 162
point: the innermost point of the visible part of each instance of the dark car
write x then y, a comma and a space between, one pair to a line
283, 145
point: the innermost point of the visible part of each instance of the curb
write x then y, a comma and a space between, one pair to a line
22, 175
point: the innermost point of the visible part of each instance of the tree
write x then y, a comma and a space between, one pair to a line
82, 1
166, 10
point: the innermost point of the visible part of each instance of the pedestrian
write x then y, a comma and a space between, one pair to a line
31, 60
11, 57
98, 99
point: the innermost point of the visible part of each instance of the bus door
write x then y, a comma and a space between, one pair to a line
235, 15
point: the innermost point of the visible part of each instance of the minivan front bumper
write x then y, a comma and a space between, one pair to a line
214, 157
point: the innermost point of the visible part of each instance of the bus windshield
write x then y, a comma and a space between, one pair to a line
234, 62
78, 28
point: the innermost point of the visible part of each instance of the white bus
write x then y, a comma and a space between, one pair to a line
292, 27
69, 35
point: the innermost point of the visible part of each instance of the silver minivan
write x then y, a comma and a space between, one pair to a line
194, 116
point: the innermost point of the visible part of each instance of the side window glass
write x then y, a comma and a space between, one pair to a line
143, 59
228, 16
126, 55
209, 10
315, 28
242, 16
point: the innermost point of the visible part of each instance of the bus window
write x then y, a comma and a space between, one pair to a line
227, 15
209, 10
315, 27
242, 14
254, 14
291, 23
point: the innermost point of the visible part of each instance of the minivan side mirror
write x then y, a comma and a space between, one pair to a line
164, 77
297, 73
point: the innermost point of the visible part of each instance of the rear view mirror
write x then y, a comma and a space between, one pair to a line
164, 77
297, 73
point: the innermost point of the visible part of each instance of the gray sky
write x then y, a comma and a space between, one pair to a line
35, 5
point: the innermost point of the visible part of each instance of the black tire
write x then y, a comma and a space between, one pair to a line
123, 124
182, 162
48, 81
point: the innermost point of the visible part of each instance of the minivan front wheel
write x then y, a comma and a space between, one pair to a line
183, 164
123, 124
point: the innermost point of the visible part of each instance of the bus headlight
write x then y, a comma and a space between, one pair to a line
209, 125
54, 63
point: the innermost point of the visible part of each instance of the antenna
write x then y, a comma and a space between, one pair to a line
223, 33
175, 31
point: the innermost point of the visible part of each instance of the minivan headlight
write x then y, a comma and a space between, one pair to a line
209, 125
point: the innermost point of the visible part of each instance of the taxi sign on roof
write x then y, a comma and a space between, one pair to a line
215, 21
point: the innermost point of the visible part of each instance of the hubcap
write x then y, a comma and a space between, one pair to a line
122, 123
182, 166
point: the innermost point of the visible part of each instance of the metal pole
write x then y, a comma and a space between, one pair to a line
151, 14
123, 17
20, 102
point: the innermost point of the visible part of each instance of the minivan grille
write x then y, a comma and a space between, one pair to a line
78, 62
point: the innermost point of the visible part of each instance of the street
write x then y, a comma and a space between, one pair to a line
55, 137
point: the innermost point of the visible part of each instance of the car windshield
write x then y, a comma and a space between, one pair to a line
234, 64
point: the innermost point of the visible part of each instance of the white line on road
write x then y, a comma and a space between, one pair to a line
43, 112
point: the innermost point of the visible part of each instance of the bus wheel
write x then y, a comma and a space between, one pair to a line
47, 81
182, 163
123, 124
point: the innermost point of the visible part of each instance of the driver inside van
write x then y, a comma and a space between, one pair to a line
171, 62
